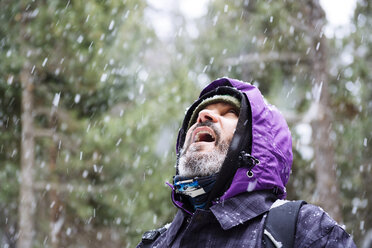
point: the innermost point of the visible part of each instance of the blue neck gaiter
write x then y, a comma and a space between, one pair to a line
195, 190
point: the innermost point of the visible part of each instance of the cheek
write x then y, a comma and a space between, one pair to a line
230, 128
188, 134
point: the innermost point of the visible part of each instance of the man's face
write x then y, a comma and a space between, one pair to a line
208, 140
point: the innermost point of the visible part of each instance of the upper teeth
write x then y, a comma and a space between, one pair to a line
197, 136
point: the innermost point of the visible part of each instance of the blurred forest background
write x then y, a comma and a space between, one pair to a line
92, 96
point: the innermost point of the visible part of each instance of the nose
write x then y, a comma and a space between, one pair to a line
207, 115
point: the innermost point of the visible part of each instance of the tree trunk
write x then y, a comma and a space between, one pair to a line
27, 203
327, 190
56, 218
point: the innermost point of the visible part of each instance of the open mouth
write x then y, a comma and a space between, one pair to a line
203, 134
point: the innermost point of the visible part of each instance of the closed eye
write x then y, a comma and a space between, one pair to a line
233, 111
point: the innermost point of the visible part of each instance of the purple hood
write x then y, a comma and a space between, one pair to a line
271, 144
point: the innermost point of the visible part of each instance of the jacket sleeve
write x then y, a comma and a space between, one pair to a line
336, 238
315, 228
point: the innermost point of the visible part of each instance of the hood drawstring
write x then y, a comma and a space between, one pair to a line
196, 190
247, 160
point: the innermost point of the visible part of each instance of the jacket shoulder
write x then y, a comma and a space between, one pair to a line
316, 227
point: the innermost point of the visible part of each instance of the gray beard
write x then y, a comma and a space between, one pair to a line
192, 163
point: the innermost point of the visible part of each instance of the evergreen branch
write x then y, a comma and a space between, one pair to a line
265, 57
78, 187
60, 113
300, 26
44, 132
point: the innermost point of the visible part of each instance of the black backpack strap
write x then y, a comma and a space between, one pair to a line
280, 224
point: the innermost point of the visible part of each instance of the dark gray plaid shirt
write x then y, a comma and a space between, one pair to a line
239, 222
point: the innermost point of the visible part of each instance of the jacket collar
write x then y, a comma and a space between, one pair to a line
231, 212
175, 226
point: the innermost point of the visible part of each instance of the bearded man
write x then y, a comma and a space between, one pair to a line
234, 157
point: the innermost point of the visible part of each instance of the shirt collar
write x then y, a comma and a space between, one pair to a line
242, 208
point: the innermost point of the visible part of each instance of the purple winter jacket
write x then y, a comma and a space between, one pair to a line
236, 218
239, 222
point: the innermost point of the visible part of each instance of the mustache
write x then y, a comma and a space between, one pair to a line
209, 124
